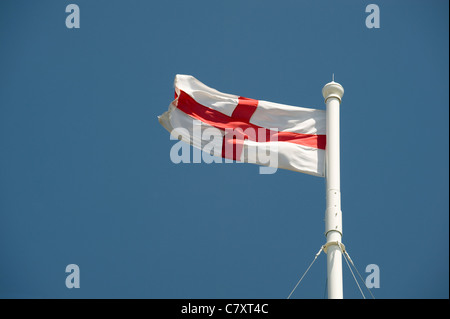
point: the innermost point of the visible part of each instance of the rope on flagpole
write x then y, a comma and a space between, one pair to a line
352, 272
317, 255
360, 277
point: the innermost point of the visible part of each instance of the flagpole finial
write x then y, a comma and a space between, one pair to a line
333, 89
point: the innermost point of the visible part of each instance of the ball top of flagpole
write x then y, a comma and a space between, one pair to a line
333, 89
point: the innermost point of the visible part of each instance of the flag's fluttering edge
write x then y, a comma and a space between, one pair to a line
242, 127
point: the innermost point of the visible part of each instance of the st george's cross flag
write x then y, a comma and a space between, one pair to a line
238, 128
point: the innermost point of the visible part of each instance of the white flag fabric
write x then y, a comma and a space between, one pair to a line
244, 129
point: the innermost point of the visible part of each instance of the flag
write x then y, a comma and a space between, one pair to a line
242, 129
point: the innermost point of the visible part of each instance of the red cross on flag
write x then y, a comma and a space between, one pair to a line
247, 130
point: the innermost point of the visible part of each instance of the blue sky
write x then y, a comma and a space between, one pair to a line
86, 177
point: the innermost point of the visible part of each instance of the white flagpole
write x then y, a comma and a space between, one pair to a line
333, 92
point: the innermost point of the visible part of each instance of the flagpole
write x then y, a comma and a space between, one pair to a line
333, 92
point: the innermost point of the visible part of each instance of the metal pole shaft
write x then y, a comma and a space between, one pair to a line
333, 92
